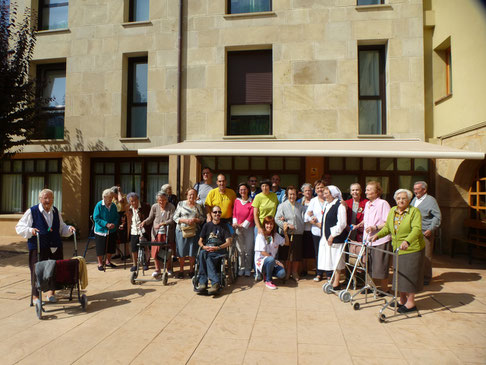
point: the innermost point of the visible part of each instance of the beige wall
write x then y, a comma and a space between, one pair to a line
314, 44
465, 23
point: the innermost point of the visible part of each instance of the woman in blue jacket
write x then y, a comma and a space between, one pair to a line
105, 216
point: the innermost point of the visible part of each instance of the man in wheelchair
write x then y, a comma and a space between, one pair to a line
214, 239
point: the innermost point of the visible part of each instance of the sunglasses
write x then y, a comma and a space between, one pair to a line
217, 212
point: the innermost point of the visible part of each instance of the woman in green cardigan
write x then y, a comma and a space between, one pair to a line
404, 223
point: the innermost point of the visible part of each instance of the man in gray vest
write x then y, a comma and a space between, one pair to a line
430, 223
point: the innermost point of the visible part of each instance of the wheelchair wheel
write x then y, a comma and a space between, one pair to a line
38, 310
133, 276
165, 278
84, 302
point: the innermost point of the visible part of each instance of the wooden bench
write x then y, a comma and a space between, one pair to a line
475, 236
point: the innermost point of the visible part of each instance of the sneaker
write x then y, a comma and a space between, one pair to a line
201, 287
270, 285
247, 273
317, 278
133, 268
52, 299
170, 273
155, 274
258, 277
214, 288
101, 268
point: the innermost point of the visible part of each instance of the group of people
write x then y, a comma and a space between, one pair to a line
276, 234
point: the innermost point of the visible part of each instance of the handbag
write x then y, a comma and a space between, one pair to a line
188, 231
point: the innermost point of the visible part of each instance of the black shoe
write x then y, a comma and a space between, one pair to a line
133, 268
404, 309
111, 264
394, 304
101, 268
145, 267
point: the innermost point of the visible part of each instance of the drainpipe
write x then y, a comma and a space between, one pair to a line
179, 96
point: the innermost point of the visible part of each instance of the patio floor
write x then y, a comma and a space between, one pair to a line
247, 324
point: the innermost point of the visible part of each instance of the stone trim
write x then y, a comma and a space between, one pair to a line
250, 15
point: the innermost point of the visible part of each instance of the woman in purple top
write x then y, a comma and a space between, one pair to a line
375, 215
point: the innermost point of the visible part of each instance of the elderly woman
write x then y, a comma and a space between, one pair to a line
106, 218
167, 188
243, 224
292, 213
333, 235
355, 211
313, 216
266, 248
404, 224
161, 216
136, 214
375, 215
189, 216
308, 253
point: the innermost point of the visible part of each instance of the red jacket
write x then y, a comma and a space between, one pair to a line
359, 216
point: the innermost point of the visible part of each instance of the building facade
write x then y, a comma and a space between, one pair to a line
132, 76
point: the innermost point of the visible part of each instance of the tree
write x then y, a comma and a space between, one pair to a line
20, 105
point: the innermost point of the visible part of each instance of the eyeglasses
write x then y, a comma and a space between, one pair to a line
217, 212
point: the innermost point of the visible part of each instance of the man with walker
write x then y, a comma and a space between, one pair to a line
43, 220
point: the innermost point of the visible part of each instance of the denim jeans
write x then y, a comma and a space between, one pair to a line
270, 268
209, 266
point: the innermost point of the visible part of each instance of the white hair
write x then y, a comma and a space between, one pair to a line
164, 187
406, 191
305, 185
45, 191
107, 192
423, 183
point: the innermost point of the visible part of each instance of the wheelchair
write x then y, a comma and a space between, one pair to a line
227, 270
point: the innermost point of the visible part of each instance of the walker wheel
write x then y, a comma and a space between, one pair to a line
165, 278
38, 310
345, 296
133, 276
327, 287
382, 318
84, 301
356, 306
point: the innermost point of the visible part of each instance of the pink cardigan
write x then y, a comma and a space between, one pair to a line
243, 213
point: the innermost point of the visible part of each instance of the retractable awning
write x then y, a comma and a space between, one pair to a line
409, 148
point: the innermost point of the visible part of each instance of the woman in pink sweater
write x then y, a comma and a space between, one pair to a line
243, 225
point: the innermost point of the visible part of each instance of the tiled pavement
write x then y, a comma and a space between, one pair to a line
248, 324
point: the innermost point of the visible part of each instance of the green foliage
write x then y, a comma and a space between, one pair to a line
20, 105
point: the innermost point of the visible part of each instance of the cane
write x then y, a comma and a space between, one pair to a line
106, 251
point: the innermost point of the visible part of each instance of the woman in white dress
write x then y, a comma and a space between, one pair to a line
333, 234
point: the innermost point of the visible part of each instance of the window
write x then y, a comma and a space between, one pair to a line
392, 173
51, 79
442, 71
145, 177
248, 6
139, 10
370, 2
137, 97
53, 14
372, 103
237, 169
22, 180
249, 93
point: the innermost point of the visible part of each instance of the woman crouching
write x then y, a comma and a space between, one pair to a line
266, 247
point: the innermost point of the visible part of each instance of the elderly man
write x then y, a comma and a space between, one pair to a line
205, 185
277, 189
430, 222
45, 221
223, 197
214, 239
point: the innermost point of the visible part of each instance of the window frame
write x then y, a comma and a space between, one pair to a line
229, 103
130, 96
252, 12
131, 7
43, 5
382, 84
41, 70
381, 2
448, 74
26, 174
